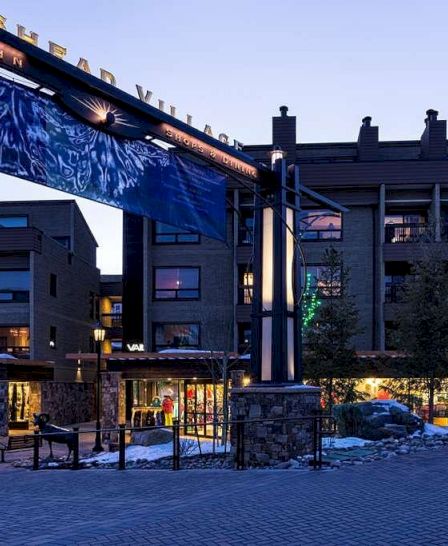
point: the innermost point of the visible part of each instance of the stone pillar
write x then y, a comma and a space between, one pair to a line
272, 442
237, 378
112, 403
4, 403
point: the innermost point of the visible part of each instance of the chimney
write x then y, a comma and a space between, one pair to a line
284, 133
367, 141
433, 140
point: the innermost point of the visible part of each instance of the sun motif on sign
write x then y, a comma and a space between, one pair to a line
105, 113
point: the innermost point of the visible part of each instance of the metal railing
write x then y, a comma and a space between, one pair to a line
239, 432
112, 320
394, 293
404, 233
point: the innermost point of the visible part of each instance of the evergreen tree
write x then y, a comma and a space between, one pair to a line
423, 319
329, 337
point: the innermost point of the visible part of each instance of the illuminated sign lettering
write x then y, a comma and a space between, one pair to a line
16, 61
135, 347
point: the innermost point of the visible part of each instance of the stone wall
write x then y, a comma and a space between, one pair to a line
112, 403
67, 403
270, 442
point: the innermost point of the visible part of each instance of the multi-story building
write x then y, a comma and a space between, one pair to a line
184, 290
48, 282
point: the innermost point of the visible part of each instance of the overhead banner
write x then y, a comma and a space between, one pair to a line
41, 142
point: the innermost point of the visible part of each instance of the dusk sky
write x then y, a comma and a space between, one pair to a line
231, 64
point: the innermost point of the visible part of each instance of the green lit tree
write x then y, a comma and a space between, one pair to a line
310, 303
330, 333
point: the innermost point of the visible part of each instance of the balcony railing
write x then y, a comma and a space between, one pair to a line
405, 233
245, 236
394, 293
17, 351
112, 320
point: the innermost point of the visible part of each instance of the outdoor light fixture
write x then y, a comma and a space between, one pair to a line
99, 333
276, 154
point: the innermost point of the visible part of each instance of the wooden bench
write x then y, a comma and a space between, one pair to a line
16, 443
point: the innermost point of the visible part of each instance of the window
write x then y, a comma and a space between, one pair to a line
52, 337
116, 344
176, 336
14, 286
176, 283
64, 241
170, 235
246, 220
318, 225
13, 221
246, 283
15, 340
405, 227
244, 337
320, 279
53, 285
396, 274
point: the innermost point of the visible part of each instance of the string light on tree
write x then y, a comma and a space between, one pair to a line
310, 302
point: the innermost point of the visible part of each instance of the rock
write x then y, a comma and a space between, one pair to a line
398, 431
151, 437
376, 420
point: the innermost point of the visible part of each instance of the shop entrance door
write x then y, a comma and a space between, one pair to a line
202, 402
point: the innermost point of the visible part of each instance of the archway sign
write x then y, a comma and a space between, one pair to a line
64, 128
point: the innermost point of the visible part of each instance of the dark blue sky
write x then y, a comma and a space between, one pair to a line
232, 63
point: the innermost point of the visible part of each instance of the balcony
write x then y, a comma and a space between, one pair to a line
394, 293
20, 239
18, 351
112, 320
405, 233
245, 236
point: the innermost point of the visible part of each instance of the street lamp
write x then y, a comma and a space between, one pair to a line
99, 333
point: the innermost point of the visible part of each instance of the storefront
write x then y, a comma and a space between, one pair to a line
146, 389
194, 403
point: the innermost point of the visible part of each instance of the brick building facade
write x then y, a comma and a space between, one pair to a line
182, 290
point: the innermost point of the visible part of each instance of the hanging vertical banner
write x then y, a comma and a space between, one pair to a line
43, 143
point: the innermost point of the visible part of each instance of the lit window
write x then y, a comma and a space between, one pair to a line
13, 221
169, 235
15, 340
318, 225
176, 336
176, 283
246, 283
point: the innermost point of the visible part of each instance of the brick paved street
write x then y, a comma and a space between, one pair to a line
403, 501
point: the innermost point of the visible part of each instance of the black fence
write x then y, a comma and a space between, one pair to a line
188, 448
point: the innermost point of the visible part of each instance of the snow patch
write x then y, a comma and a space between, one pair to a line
350, 441
152, 453
434, 429
390, 403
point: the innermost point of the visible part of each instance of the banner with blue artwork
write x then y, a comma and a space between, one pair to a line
41, 142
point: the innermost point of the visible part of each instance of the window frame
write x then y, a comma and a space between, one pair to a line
27, 354
155, 289
318, 231
13, 300
175, 234
170, 323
